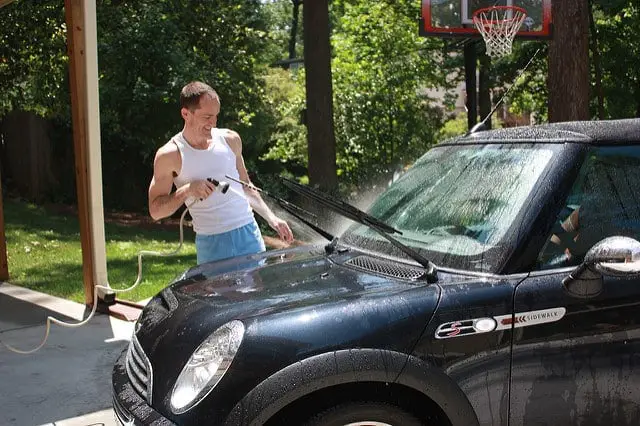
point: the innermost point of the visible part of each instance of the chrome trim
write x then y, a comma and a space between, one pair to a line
121, 414
385, 267
139, 370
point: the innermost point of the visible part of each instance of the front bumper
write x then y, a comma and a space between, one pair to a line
129, 407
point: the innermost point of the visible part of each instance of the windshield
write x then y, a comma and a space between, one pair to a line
457, 204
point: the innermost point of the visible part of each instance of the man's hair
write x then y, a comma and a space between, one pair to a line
191, 93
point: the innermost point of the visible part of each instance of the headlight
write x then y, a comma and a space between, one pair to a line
206, 366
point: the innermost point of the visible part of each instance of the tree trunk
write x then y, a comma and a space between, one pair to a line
484, 86
568, 80
319, 114
470, 67
595, 50
294, 29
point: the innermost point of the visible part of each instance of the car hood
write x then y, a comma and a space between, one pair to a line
273, 282
292, 281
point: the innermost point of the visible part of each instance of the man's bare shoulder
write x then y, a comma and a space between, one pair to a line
233, 139
168, 155
231, 136
168, 149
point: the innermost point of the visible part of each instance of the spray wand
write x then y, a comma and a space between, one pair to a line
289, 207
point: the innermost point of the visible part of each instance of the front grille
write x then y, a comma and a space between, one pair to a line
122, 415
385, 267
139, 369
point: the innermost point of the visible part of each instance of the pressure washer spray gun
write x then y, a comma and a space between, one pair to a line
224, 186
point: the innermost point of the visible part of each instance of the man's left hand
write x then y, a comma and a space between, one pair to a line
283, 230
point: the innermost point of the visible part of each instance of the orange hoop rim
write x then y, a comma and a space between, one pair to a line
478, 12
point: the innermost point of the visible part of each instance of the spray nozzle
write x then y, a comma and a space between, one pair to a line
224, 186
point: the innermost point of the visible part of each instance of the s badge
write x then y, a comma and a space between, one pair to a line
502, 322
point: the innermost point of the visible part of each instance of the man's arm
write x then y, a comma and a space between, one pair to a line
163, 203
569, 234
255, 200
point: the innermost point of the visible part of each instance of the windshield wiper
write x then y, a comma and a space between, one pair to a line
357, 215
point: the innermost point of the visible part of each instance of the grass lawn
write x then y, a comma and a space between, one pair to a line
44, 253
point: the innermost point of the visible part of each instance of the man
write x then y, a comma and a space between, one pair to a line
225, 225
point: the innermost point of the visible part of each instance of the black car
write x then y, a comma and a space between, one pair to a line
496, 282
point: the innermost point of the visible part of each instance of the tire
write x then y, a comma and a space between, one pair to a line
363, 413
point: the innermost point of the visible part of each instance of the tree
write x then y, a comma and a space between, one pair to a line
617, 25
284, 34
319, 111
293, 35
33, 60
382, 72
147, 50
615, 77
569, 61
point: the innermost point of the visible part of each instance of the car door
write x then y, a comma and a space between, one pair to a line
576, 359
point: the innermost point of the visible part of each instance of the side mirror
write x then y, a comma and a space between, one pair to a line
617, 256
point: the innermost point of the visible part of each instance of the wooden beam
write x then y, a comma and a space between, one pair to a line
4, 264
94, 153
74, 13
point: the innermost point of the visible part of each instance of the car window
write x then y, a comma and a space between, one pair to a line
604, 201
457, 203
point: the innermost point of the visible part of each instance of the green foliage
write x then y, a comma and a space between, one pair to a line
33, 62
456, 126
279, 16
381, 68
528, 91
285, 95
147, 50
618, 25
382, 117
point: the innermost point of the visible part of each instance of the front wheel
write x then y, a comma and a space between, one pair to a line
364, 414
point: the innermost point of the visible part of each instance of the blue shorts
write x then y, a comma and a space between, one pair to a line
238, 242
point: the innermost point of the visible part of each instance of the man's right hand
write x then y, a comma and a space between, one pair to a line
200, 189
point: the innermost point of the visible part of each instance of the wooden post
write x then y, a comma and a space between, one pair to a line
74, 13
4, 263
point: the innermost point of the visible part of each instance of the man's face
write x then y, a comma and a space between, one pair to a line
201, 120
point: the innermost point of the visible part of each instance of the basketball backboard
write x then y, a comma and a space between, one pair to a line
454, 17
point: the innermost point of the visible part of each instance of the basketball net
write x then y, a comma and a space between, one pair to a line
498, 26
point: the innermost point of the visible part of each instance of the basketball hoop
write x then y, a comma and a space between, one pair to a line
498, 26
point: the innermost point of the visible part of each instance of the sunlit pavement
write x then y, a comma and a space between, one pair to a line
68, 381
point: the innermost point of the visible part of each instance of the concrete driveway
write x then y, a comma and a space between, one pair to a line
68, 381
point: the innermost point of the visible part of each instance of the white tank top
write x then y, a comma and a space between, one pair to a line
219, 212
